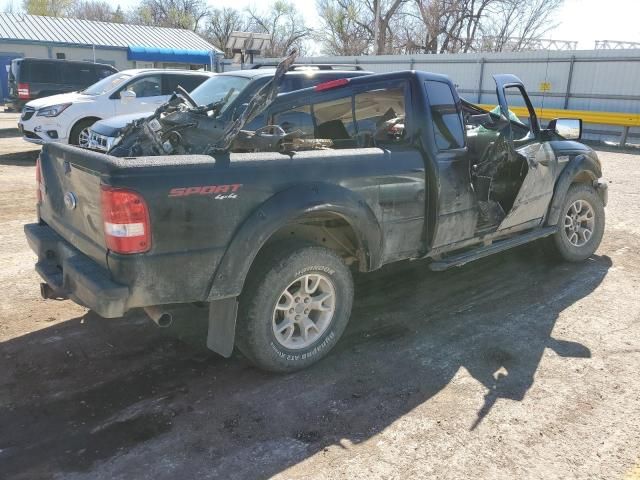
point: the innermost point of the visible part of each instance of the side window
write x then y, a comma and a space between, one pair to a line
78, 74
289, 83
188, 82
520, 124
380, 116
39, 72
334, 121
296, 119
446, 116
102, 72
147, 86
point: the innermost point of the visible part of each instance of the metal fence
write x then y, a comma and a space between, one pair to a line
593, 80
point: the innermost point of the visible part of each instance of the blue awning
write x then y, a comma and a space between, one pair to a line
174, 55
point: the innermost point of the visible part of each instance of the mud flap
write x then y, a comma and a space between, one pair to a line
222, 326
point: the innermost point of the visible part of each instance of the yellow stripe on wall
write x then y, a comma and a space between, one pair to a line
587, 116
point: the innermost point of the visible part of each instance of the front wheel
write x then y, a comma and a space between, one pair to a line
80, 133
294, 307
581, 224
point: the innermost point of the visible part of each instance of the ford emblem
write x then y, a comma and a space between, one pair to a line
70, 200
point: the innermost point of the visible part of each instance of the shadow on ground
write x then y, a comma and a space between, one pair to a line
103, 398
19, 159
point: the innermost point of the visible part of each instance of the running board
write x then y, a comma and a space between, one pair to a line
496, 247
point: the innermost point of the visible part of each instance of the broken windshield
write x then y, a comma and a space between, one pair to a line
217, 88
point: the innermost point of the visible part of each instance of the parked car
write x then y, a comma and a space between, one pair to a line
395, 167
66, 118
245, 84
32, 78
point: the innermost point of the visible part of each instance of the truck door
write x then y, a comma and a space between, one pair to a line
525, 184
454, 202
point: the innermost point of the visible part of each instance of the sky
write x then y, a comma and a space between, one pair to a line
579, 20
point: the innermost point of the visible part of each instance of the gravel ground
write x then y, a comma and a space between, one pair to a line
510, 367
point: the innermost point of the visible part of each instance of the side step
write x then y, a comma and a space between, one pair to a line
457, 260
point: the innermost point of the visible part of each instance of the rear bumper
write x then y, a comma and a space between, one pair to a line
71, 274
130, 281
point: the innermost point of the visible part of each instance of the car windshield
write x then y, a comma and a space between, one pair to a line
106, 84
217, 87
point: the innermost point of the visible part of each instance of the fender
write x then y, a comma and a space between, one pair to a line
579, 164
279, 210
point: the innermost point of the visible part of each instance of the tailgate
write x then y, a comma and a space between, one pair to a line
71, 199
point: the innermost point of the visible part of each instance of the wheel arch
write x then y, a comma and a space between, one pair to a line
581, 169
291, 208
79, 121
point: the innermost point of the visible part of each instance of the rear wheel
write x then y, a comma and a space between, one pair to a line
581, 224
80, 133
294, 307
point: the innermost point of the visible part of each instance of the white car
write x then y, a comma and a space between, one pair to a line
66, 118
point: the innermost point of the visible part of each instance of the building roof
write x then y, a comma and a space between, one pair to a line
19, 27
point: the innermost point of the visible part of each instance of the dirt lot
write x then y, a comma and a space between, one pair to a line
512, 367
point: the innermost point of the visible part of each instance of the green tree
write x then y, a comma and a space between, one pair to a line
50, 8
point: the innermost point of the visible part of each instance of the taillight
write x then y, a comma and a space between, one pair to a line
39, 183
340, 82
126, 220
23, 91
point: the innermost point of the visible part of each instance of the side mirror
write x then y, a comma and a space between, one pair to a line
127, 95
567, 128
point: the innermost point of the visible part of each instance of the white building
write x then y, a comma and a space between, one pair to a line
121, 45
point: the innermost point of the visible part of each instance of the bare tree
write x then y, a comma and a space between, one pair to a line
516, 25
285, 25
385, 12
118, 16
435, 26
220, 24
370, 21
185, 14
99, 10
341, 32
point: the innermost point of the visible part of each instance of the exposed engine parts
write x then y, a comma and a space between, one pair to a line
181, 127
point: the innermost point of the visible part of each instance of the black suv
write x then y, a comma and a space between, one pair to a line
243, 84
31, 78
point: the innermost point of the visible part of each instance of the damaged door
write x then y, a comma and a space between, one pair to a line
514, 180
539, 160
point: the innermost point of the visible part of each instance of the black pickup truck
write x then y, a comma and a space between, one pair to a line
383, 168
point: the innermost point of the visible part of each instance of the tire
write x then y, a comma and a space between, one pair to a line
78, 129
266, 308
569, 242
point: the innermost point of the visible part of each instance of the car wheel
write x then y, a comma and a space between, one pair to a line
80, 133
581, 224
294, 307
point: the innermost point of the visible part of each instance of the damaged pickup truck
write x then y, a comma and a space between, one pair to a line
350, 175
